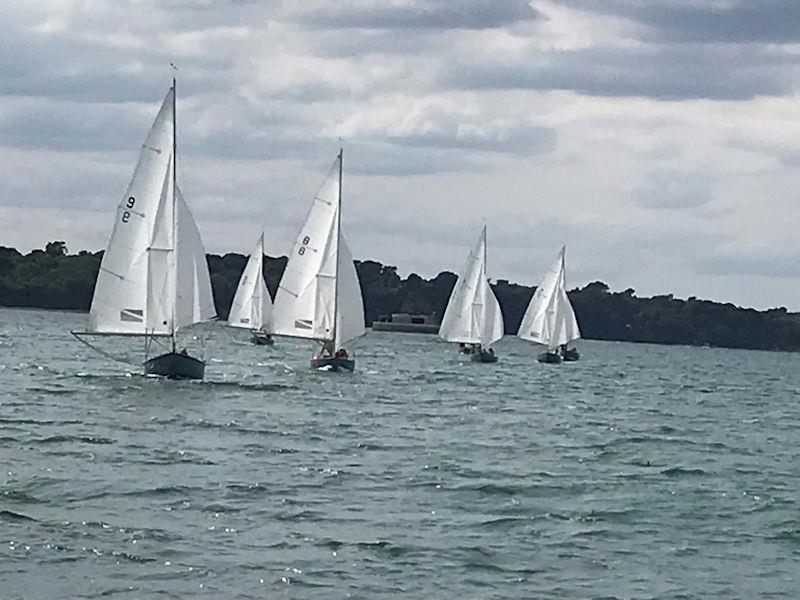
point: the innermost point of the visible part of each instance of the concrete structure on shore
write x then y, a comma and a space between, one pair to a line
407, 323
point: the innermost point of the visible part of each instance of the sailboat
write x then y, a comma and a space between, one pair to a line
154, 278
473, 317
252, 305
549, 319
319, 297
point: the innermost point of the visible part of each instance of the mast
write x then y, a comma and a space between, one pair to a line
336, 270
259, 279
174, 204
485, 298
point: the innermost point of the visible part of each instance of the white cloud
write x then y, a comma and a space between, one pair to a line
659, 145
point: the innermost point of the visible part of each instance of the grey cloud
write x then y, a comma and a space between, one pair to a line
669, 73
423, 14
375, 158
785, 154
71, 126
41, 65
737, 21
779, 265
672, 188
519, 140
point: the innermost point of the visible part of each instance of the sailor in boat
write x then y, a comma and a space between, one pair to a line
184, 352
341, 353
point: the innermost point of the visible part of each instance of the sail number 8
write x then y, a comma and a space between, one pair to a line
128, 204
302, 249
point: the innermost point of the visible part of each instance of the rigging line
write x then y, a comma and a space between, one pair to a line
102, 352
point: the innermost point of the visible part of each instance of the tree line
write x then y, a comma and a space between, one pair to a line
53, 278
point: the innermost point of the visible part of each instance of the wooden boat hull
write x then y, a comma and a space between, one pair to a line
483, 357
175, 366
334, 364
571, 355
549, 358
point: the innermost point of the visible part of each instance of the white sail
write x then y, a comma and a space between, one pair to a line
120, 301
492, 326
154, 276
252, 304
473, 315
550, 319
304, 301
349, 303
194, 299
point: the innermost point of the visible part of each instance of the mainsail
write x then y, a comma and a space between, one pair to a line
252, 304
473, 315
549, 319
319, 296
154, 277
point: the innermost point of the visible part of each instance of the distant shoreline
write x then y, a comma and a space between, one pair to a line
53, 279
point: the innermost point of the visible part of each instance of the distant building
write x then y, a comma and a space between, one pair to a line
407, 323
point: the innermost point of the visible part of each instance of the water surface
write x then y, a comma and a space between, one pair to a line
639, 472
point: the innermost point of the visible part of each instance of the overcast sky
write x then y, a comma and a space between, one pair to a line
658, 139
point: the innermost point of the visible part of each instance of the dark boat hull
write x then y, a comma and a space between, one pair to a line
549, 358
175, 366
261, 339
483, 357
334, 364
571, 355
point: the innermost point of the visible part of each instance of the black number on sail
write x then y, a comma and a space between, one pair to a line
302, 249
131, 202
125, 216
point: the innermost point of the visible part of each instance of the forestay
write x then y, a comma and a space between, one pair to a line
473, 314
252, 305
550, 319
120, 301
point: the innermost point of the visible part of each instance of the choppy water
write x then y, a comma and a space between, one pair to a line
639, 472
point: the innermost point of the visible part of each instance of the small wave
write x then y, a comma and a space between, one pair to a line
221, 508
11, 516
21, 497
303, 515
252, 387
175, 457
384, 548
11, 421
167, 490
493, 489
249, 490
682, 471
134, 558
57, 439
506, 522
52, 391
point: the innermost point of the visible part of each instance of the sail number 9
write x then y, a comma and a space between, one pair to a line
302, 249
128, 204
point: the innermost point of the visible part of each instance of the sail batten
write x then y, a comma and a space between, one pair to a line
550, 319
473, 314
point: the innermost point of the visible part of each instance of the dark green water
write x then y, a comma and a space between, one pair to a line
639, 472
